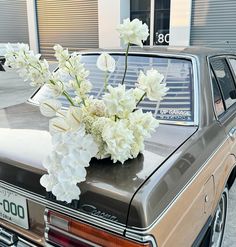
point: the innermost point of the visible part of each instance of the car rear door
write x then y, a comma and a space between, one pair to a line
223, 79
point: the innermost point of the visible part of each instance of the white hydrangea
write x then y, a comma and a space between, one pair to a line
152, 83
119, 139
96, 131
119, 101
133, 32
71, 153
66, 192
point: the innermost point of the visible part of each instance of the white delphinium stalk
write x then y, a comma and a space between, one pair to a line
152, 83
71, 65
119, 139
119, 101
71, 153
62, 55
28, 64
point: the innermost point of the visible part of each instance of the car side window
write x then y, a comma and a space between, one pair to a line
218, 101
225, 80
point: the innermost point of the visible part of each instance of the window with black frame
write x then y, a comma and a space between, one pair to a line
141, 9
161, 22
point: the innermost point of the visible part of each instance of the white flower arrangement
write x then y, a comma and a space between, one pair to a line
107, 127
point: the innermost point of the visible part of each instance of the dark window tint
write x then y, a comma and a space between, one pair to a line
218, 101
162, 22
141, 9
225, 79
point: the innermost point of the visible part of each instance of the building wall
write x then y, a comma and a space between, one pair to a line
195, 22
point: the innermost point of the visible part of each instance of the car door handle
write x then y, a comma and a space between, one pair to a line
232, 133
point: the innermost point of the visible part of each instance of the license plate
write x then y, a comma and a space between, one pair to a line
13, 208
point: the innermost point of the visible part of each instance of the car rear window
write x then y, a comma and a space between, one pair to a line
177, 105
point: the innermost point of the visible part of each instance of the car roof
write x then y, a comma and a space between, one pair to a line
172, 50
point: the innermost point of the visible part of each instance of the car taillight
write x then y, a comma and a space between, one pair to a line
68, 232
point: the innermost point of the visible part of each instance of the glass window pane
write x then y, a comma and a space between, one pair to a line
218, 101
161, 22
140, 5
140, 9
225, 80
177, 105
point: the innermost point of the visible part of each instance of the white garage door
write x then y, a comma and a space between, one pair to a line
13, 21
213, 23
72, 23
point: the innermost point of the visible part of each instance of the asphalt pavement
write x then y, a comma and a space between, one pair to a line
14, 90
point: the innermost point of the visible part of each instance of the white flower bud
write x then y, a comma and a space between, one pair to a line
58, 124
106, 62
50, 107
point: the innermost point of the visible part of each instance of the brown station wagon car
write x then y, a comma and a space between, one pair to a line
174, 194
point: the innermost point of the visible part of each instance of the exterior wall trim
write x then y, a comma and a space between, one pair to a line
180, 22
32, 25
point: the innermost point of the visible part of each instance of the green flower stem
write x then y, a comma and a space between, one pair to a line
105, 81
65, 94
68, 98
141, 99
126, 63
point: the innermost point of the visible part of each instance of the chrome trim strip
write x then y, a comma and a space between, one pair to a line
146, 230
111, 226
25, 242
141, 238
195, 63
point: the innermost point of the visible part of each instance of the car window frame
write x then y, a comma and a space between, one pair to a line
222, 118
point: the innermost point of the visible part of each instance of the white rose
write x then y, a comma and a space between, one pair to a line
133, 32
118, 139
118, 101
152, 83
106, 62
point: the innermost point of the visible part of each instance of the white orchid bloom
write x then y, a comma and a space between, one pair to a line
106, 62
50, 107
133, 32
